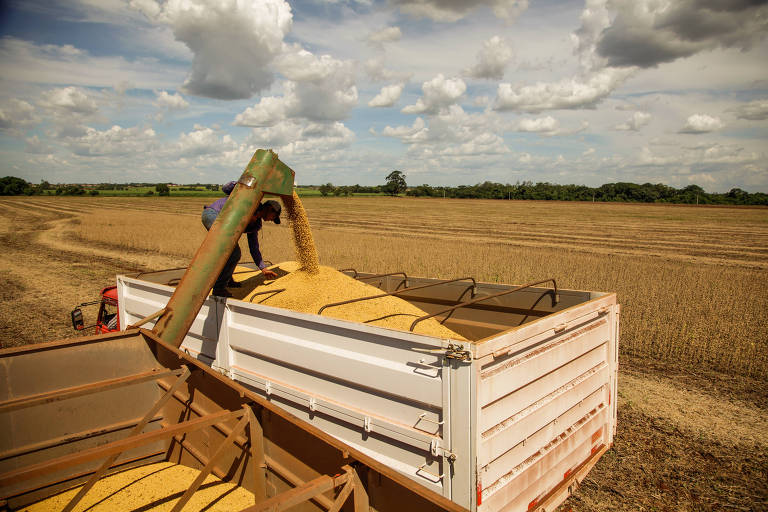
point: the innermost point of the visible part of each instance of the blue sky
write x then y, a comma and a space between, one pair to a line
448, 91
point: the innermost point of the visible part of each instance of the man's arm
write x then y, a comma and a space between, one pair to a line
253, 245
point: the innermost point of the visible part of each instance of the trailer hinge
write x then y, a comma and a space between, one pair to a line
457, 352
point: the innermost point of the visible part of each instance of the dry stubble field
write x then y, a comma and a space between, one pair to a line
693, 392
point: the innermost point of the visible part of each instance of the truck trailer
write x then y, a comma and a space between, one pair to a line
308, 411
511, 416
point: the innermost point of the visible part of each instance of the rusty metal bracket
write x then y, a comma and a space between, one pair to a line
350, 484
457, 352
209, 467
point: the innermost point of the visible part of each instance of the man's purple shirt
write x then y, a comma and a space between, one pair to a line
251, 230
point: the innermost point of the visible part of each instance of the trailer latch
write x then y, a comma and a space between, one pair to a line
457, 352
435, 449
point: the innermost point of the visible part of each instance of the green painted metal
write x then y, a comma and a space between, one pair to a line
265, 173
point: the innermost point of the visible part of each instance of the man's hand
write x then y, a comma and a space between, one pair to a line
268, 274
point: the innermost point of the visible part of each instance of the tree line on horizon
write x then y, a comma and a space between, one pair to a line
544, 191
13, 186
396, 185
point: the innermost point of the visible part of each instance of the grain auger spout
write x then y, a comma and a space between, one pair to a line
265, 174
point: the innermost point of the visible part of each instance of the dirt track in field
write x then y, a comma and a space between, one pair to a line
43, 275
686, 441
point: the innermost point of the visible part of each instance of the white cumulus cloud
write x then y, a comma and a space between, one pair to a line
324, 91
203, 140
573, 93
171, 101
453, 132
492, 59
17, 115
114, 141
70, 99
267, 112
388, 96
301, 65
756, 110
634, 123
547, 125
294, 137
233, 42
701, 123
418, 131
439, 93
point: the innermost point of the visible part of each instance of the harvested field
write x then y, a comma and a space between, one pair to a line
690, 279
693, 386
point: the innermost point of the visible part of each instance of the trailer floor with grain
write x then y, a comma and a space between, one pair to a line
151, 488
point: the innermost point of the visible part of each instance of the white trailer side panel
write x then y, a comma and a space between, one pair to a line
138, 299
545, 403
380, 390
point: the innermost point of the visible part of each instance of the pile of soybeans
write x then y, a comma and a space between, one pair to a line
308, 286
308, 292
153, 487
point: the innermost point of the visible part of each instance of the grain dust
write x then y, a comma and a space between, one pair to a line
152, 487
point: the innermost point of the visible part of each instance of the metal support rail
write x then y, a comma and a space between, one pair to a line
241, 442
147, 319
474, 301
405, 276
350, 484
266, 292
375, 276
97, 452
474, 287
182, 378
72, 438
85, 389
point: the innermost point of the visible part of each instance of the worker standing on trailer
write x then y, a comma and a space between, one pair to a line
266, 211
